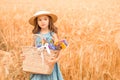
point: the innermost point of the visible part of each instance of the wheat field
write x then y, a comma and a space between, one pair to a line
91, 27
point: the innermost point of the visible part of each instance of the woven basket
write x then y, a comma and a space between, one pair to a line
35, 60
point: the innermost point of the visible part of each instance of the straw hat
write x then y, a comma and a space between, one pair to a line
39, 13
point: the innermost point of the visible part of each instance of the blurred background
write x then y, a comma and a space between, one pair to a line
91, 27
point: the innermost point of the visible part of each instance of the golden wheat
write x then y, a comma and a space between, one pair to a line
92, 28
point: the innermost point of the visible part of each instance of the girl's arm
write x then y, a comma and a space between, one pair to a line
33, 40
55, 59
55, 37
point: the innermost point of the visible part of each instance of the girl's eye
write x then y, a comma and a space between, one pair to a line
45, 19
39, 19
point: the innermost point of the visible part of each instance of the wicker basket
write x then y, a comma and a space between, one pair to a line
35, 60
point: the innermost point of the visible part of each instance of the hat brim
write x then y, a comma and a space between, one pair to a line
32, 19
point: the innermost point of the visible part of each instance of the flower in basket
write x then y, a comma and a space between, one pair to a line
58, 45
61, 44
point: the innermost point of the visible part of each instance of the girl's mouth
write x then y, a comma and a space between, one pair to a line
43, 25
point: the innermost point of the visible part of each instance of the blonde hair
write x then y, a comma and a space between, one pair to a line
51, 26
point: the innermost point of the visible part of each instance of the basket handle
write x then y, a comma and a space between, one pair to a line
44, 45
47, 48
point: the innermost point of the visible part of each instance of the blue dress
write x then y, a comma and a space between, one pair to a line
56, 74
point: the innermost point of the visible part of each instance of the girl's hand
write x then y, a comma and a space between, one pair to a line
51, 60
22, 56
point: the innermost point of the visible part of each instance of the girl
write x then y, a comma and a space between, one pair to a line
43, 24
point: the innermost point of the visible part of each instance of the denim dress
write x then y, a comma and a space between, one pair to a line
56, 74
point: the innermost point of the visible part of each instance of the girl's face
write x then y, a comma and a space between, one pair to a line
43, 21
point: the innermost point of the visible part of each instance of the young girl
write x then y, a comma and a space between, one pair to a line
43, 25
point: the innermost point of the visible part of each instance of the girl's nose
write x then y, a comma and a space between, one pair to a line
42, 21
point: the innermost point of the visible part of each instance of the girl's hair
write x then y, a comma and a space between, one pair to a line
51, 26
